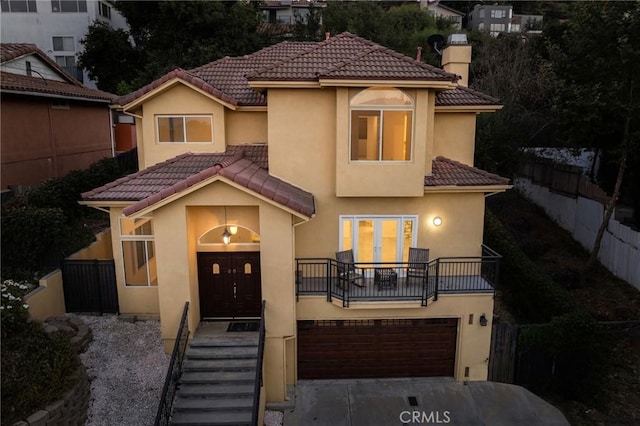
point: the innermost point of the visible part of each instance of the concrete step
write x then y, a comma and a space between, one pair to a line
215, 390
213, 404
239, 418
196, 352
224, 341
247, 364
212, 377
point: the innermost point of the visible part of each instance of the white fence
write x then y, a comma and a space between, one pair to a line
620, 250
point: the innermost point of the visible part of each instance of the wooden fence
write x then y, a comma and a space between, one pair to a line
90, 286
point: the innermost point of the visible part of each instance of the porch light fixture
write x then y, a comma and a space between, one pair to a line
226, 235
437, 221
483, 320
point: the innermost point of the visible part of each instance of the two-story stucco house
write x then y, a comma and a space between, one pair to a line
256, 170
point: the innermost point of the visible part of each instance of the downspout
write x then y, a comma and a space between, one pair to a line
111, 131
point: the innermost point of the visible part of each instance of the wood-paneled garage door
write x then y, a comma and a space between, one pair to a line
352, 349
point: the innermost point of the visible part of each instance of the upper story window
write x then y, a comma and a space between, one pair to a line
499, 13
65, 55
19, 6
381, 125
104, 10
68, 5
185, 129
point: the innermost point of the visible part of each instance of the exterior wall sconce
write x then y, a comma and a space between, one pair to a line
226, 235
437, 221
483, 320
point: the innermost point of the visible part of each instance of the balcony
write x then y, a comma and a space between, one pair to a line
376, 282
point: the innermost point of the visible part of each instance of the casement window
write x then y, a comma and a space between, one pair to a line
381, 125
104, 10
379, 238
66, 6
18, 6
138, 252
184, 129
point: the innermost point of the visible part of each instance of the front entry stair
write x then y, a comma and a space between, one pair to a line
218, 378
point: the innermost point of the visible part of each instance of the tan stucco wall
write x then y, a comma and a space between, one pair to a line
102, 248
177, 100
246, 127
132, 300
459, 235
473, 344
454, 136
48, 299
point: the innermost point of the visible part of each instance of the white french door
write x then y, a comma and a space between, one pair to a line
378, 238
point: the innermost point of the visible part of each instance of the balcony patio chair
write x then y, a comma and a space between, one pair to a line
347, 269
418, 267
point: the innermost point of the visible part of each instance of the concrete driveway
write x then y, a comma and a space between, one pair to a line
429, 401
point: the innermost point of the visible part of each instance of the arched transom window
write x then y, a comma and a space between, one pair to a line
381, 125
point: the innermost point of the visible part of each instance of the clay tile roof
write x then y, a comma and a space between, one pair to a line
349, 56
70, 88
244, 164
184, 75
446, 172
464, 96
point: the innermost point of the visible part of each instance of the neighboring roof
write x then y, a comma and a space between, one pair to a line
344, 56
446, 172
463, 96
245, 165
37, 85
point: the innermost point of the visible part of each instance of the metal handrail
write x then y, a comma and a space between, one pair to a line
174, 372
258, 378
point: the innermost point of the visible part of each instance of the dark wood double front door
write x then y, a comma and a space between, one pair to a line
229, 284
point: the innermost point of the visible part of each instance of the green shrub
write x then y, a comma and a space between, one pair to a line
36, 238
530, 294
37, 367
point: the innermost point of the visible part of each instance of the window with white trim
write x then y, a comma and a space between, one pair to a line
184, 128
379, 238
381, 125
18, 6
104, 10
499, 13
138, 252
66, 6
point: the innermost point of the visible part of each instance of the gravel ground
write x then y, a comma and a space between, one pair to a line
126, 366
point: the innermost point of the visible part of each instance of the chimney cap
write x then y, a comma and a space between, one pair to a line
457, 39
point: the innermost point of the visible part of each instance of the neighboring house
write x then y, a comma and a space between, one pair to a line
57, 26
500, 19
288, 11
51, 123
441, 11
256, 170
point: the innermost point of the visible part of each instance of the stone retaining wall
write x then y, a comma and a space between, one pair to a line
71, 410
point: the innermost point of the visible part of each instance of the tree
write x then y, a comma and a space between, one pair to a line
168, 34
597, 68
109, 56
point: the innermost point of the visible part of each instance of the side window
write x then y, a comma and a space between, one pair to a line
184, 129
138, 252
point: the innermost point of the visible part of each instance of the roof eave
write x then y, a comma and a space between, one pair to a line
285, 84
468, 108
427, 84
468, 188
56, 96
133, 105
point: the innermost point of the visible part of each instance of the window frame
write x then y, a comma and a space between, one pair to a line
377, 220
148, 242
184, 126
381, 108
78, 9
30, 5
103, 7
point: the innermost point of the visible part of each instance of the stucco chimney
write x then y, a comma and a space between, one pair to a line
456, 57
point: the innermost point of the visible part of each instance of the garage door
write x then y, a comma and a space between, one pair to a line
352, 349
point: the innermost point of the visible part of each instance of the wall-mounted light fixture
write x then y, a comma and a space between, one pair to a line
226, 235
483, 320
437, 221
